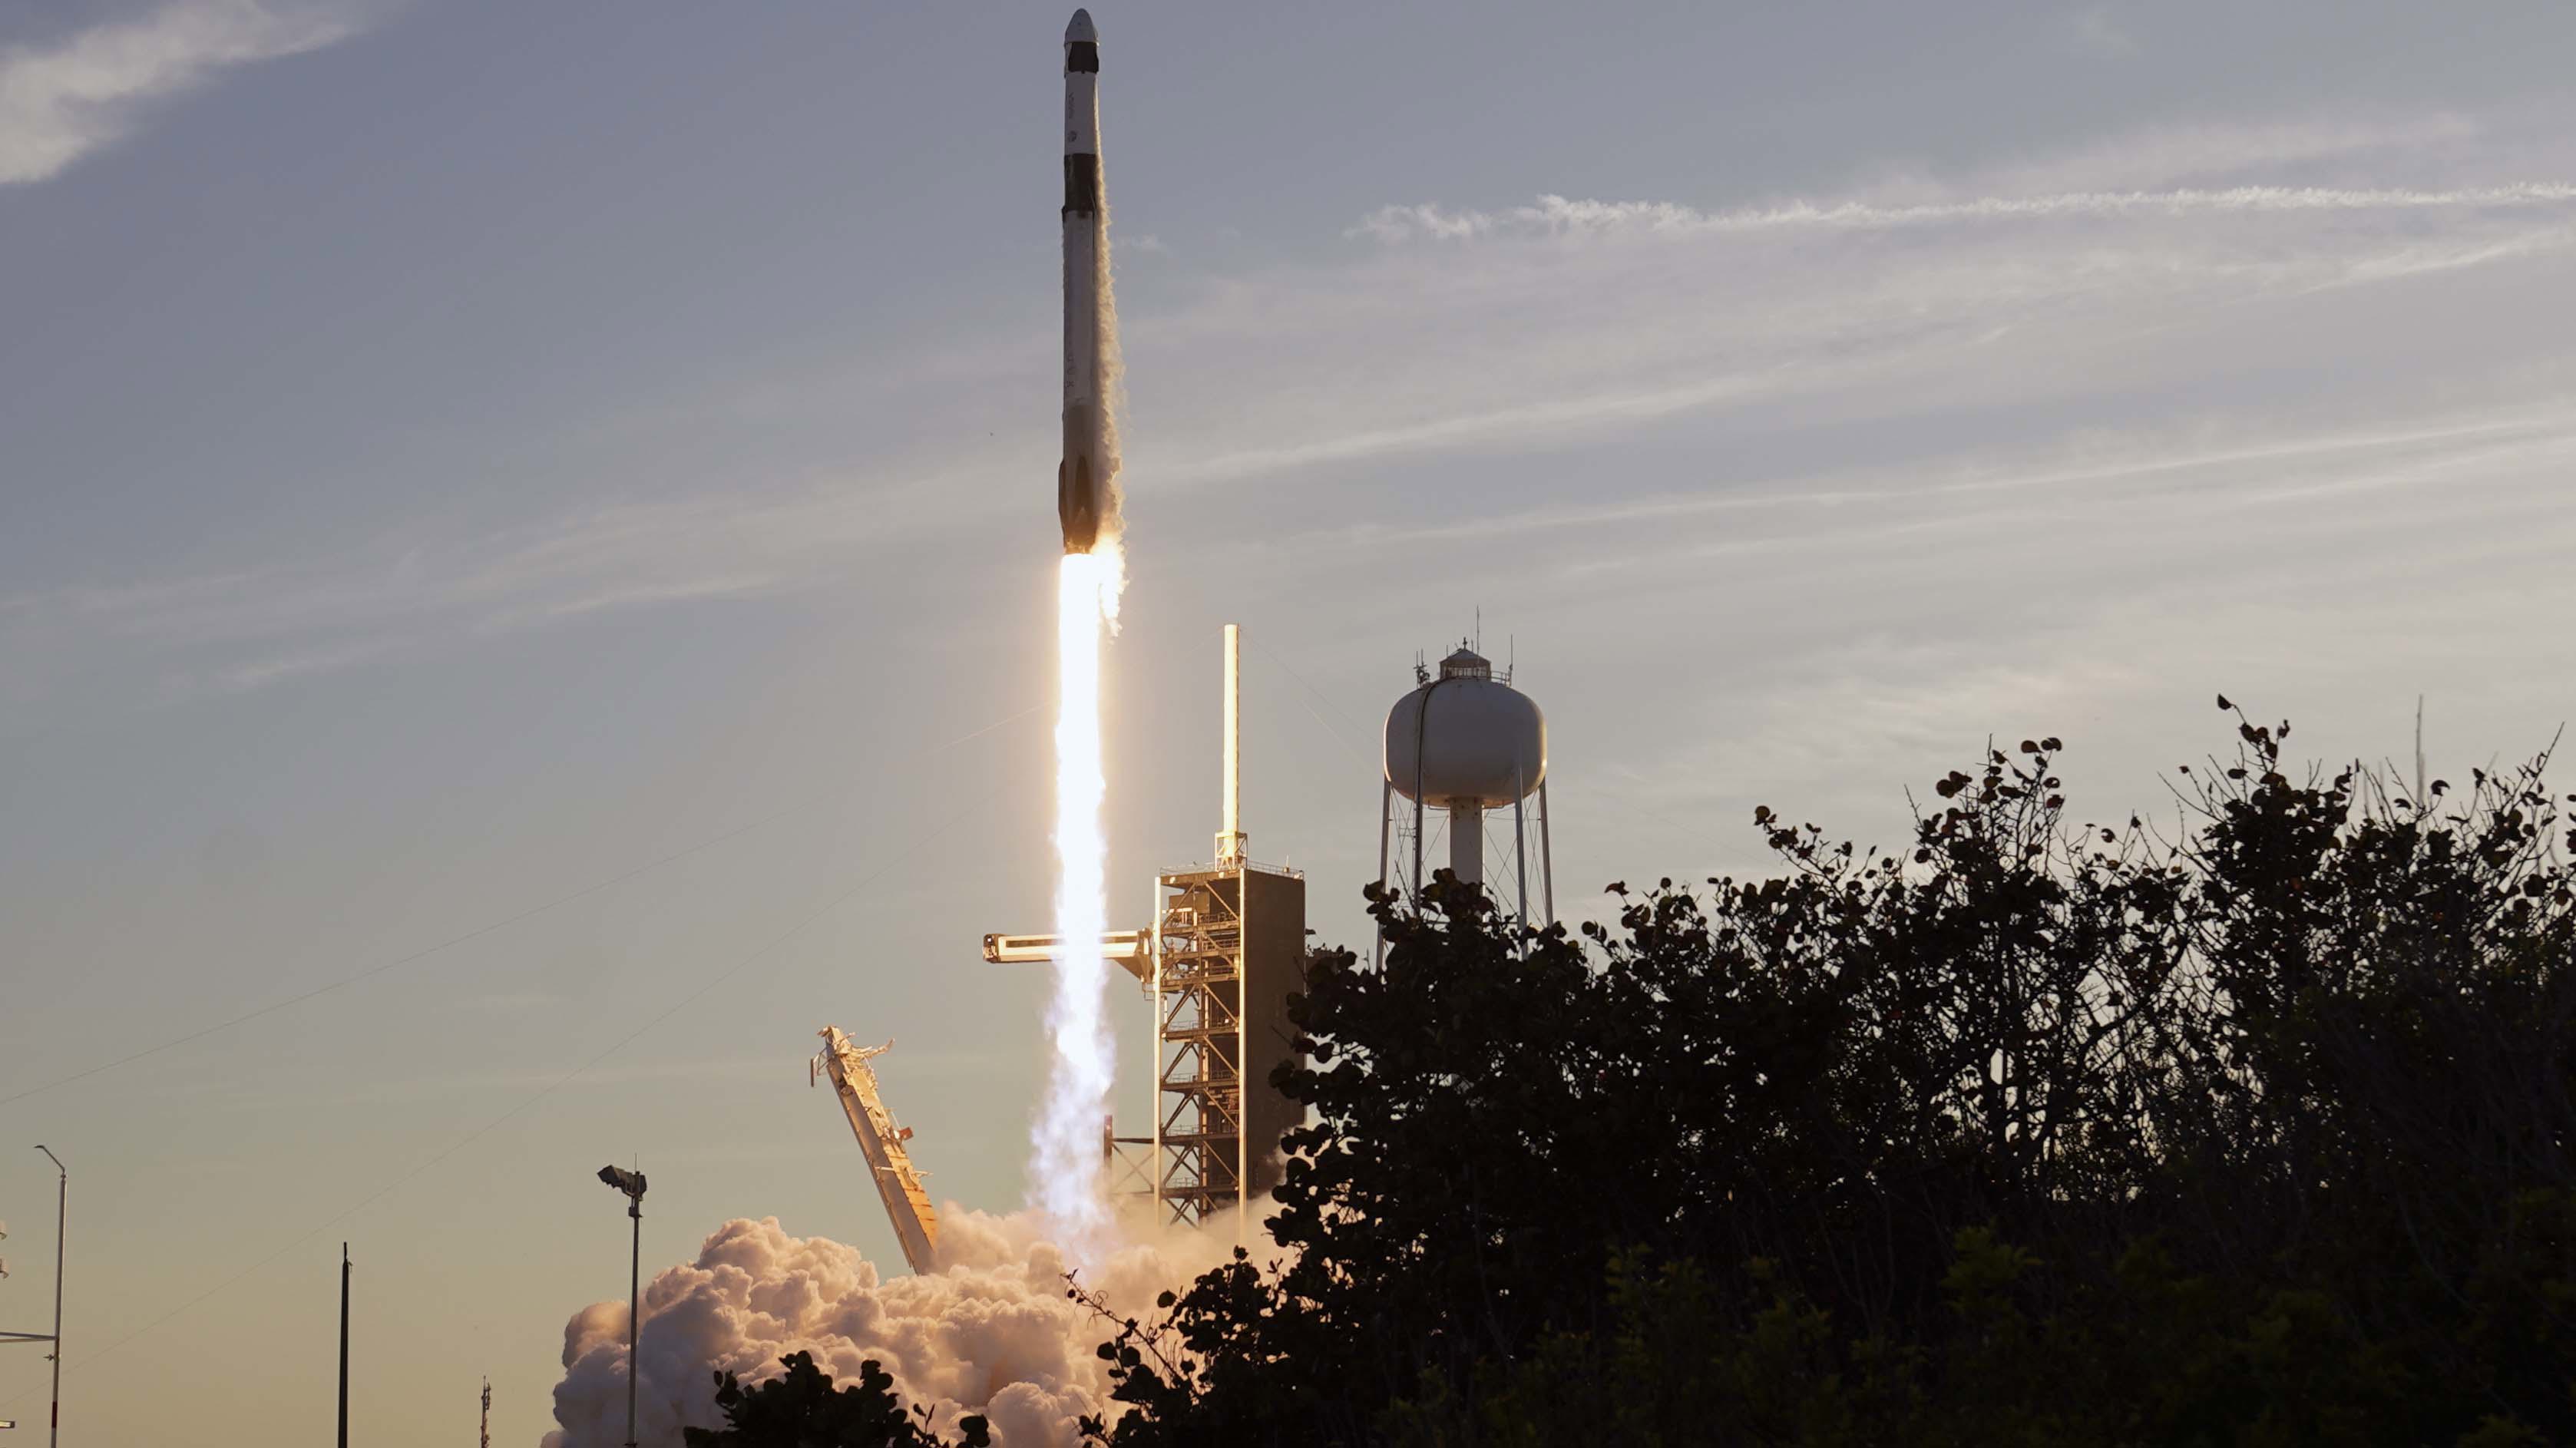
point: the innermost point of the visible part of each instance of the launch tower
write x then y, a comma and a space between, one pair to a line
1226, 949
1229, 948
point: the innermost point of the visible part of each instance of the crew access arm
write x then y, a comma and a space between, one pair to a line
916, 1224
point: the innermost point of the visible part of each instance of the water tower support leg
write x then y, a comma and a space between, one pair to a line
1385, 827
1546, 857
1520, 851
1415, 887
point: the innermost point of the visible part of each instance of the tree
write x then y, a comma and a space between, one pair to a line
801, 1409
2034, 1132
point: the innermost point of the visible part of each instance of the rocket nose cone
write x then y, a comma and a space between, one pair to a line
1080, 30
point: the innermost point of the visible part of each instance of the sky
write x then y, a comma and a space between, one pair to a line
526, 543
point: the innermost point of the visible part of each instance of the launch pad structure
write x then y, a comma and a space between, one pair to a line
907, 1200
1228, 940
1226, 949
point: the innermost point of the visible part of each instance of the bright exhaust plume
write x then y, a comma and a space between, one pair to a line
1065, 1162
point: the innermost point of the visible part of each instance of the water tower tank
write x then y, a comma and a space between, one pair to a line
1465, 740
1462, 743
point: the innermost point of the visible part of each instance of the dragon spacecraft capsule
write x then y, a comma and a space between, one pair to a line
1083, 478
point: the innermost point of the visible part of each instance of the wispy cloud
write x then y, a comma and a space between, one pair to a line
2356, 150
277, 668
1547, 327
2266, 467
61, 102
2095, 31
1564, 216
1478, 328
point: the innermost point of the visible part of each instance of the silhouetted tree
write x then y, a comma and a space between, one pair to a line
2034, 1132
801, 1409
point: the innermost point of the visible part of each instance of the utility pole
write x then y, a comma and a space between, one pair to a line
344, 1345
632, 1184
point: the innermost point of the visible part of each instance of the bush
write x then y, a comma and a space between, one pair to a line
2031, 1133
801, 1409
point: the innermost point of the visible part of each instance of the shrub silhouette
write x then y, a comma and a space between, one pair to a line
2034, 1132
801, 1409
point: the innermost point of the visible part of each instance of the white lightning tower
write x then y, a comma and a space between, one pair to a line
1464, 742
1229, 841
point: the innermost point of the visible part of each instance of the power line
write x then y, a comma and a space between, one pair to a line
470, 936
1266, 651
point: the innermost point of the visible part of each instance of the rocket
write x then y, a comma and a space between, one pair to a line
1082, 480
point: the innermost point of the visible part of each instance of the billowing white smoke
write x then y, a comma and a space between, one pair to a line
993, 1333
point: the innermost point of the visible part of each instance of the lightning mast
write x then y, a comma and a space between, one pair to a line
907, 1202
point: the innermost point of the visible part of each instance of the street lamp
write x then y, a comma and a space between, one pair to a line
632, 1184
62, 1214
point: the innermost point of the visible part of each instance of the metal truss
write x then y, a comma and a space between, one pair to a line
1198, 988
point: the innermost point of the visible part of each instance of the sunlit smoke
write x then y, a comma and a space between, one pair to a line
1065, 1168
992, 1332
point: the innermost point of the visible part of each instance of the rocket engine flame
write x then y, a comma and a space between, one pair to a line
1065, 1164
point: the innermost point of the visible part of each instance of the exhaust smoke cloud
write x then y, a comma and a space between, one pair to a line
993, 1333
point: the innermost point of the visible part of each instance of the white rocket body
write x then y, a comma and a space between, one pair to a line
1084, 477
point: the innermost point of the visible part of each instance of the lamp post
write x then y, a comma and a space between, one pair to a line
632, 1184
62, 1217
344, 1345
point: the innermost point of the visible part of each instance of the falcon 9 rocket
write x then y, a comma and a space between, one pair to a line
1084, 480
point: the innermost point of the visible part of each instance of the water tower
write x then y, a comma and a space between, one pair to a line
1465, 743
